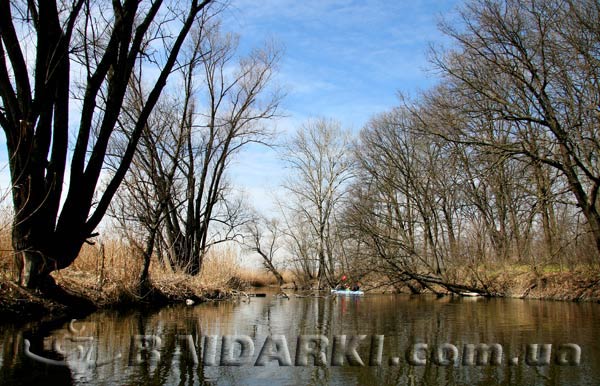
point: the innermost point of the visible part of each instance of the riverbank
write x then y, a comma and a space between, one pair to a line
76, 295
107, 276
578, 284
73, 299
19, 304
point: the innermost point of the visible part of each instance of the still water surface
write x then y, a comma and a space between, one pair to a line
176, 334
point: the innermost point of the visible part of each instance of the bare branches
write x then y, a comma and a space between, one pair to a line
496, 163
522, 65
264, 239
190, 140
100, 50
320, 165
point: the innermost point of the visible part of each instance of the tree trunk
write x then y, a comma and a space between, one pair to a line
34, 265
275, 273
29, 268
38, 253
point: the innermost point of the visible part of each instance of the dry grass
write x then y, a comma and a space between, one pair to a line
581, 282
258, 277
112, 270
221, 267
220, 273
108, 272
262, 278
577, 283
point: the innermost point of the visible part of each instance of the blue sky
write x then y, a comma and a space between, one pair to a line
345, 60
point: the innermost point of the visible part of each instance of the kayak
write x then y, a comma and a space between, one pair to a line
347, 292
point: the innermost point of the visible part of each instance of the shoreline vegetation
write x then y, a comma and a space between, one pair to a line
107, 277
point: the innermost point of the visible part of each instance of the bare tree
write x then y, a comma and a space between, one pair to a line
531, 68
318, 156
145, 194
222, 106
237, 105
406, 203
106, 44
264, 238
421, 203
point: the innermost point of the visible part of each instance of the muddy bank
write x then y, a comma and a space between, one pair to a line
73, 300
21, 305
566, 286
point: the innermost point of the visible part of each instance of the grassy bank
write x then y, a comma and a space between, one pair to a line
106, 275
549, 282
552, 282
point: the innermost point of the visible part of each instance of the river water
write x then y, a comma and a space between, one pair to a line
399, 339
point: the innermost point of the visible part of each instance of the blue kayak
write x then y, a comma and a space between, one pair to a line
347, 292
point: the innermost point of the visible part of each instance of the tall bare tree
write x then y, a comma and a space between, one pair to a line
407, 202
222, 106
426, 207
264, 238
49, 52
318, 157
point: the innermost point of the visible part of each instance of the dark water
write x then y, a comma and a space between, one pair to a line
183, 355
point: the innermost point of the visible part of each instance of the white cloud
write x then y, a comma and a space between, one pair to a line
344, 60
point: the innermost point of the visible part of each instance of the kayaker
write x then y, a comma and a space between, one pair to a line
356, 286
342, 283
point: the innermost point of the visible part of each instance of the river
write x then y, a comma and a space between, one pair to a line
374, 339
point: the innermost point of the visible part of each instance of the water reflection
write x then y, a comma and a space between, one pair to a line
17, 369
168, 346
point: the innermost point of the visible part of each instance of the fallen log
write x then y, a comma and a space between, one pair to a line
456, 288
